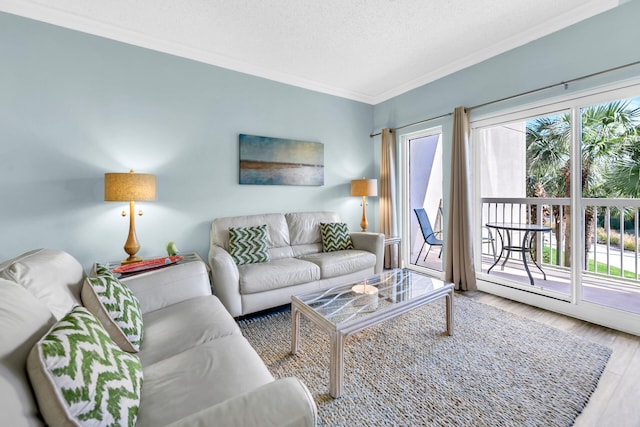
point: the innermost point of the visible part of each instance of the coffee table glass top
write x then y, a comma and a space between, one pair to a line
376, 295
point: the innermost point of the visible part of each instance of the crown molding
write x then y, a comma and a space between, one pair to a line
560, 22
51, 15
71, 21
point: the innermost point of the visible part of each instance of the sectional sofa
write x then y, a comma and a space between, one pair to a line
260, 261
192, 367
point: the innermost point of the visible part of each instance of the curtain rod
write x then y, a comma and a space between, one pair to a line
529, 92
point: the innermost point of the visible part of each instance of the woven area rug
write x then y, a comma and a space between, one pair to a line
498, 369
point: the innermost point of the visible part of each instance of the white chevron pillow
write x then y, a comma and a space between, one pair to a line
81, 377
113, 303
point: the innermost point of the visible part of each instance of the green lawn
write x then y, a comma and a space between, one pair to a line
601, 267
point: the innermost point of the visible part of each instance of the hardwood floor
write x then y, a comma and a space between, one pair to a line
616, 401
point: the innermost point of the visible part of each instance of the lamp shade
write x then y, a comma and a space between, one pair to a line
126, 187
364, 187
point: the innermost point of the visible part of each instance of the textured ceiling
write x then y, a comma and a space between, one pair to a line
367, 50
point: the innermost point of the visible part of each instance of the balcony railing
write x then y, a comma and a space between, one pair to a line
612, 251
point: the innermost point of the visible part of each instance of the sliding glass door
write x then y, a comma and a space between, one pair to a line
523, 202
422, 198
557, 203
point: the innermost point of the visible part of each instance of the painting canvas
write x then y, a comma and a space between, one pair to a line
277, 161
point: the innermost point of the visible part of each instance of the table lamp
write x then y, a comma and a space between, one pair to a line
130, 187
364, 187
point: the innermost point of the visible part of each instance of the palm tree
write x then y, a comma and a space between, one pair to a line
609, 148
548, 151
624, 176
605, 140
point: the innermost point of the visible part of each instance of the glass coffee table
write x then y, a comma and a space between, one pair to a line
352, 307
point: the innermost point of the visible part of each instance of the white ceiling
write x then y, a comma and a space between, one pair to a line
366, 50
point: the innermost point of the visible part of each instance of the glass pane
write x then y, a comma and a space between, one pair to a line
549, 176
525, 204
374, 297
610, 184
425, 201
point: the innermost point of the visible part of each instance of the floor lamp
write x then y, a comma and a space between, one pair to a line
130, 187
364, 188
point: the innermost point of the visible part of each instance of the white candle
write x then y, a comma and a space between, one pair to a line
365, 295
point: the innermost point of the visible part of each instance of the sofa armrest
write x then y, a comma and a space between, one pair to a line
372, 242
225, 279
282, 403
170, 285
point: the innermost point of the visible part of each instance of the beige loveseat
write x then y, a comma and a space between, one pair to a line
198, 369
297, 262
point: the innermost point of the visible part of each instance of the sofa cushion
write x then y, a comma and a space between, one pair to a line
276, 274
80, 376
199, 378
335, 236
118, 309
24, 319
277, 230
248, 245
53, 276
339, 263
304, 227
161, 288
285, 402
311, 248
179, 327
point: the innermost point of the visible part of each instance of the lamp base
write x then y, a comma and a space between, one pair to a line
131, 246
363, 221
131, 260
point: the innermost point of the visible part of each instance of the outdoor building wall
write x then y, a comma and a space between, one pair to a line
503, 170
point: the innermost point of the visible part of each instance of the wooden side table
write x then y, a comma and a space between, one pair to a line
395, 240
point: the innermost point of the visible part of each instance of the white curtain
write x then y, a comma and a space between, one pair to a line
459, 267
387, 199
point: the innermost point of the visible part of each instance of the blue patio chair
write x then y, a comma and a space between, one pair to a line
427, 233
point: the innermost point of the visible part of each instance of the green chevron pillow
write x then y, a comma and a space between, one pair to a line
248, 245
102, 270
113, 303
335, 236
81, 377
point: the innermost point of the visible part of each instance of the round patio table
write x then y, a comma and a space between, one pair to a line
525, 247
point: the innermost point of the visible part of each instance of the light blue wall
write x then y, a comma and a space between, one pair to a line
602, 42
74, 106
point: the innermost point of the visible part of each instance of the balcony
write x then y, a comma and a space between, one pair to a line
611, 267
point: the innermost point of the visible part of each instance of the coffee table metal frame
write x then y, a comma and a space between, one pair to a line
366, 315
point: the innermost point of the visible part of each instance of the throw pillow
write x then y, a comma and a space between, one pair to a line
81, 377
101, 270
113, 303
335, 236
248, 245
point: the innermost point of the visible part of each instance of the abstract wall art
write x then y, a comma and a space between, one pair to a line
278, 161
